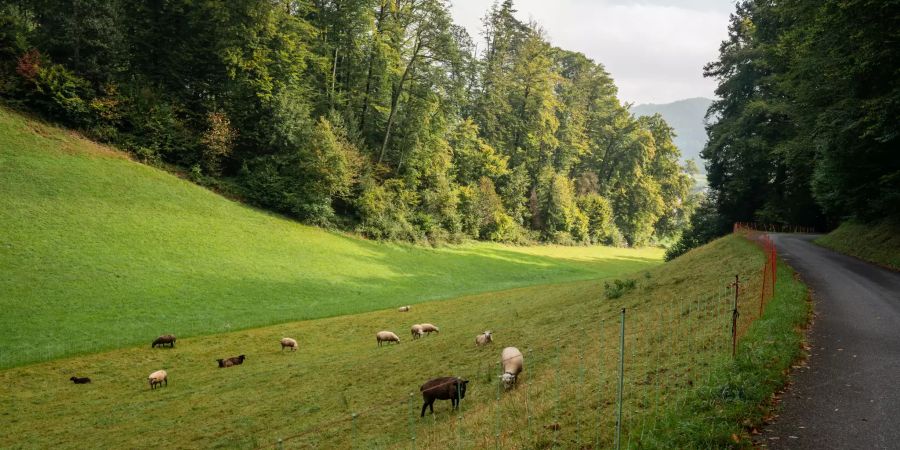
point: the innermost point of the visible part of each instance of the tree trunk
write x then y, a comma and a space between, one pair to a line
395, 98
365, 106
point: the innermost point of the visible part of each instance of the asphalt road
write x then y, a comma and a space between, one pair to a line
849, 395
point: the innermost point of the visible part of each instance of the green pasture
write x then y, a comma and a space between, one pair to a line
677, 348
99, 252
877, 242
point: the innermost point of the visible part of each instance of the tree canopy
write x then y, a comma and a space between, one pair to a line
381, 116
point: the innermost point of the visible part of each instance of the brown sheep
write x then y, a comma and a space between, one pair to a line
80, 380
164, 339
443, 388
233, 361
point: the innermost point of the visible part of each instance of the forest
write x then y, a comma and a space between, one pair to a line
805, 128
380, 117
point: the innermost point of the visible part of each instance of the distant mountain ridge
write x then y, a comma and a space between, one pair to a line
687, 118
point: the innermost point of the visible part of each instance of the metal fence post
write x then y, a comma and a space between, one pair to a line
734, 316
621, 383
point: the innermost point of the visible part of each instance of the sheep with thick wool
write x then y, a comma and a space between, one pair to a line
386, 336
512, 362
484, 338
428, 328
416, 331
158, 378
163, 340
289, 343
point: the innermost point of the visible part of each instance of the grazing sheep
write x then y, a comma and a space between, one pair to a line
443, 388
484, 338
288, 342
233, 361
428, 328
164, 339
80, 380
511, 360
157, 378
417, 331
403, 308
386, 336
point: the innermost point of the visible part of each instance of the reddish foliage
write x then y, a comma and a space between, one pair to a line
29, 64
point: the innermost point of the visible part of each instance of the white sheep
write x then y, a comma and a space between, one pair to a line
157, 378
511, 361
289, 343
386, 336
484, 338
428, 328
403, 308
416, 331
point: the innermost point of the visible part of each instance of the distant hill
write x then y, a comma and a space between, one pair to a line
686, 116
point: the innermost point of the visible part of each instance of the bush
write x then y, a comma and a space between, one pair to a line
618, 288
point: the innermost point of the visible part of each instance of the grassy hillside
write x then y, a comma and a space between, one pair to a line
99, 252
876, 242
677, 358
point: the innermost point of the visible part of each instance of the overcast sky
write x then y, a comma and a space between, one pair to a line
654, 49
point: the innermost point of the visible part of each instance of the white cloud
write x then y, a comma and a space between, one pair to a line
655, 50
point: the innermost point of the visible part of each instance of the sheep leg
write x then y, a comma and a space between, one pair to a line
424, 406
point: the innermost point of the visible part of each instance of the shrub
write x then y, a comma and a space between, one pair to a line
618, 288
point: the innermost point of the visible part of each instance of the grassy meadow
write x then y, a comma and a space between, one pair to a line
877, 242
677, 352
99, 252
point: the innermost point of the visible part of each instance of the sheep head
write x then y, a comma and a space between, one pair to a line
508, 379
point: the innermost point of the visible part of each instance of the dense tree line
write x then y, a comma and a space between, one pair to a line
808, 119
381, 116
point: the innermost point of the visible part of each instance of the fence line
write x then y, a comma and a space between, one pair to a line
642, 379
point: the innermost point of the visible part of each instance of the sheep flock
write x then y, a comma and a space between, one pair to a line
438, 388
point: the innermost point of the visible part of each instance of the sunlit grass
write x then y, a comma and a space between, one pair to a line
677, 347
98, 252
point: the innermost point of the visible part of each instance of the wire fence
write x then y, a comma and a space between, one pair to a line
602, 386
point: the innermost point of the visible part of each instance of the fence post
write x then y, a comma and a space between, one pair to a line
412, 420
280, 444
621, 383
353, 431
497, 408
734, 316
527, 407
558, 389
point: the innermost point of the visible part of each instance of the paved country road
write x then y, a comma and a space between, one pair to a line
849, 395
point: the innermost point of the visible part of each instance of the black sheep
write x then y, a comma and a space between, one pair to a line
443, 388
80, 380
233, 361
164, 339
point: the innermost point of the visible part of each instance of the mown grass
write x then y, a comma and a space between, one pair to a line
677, 358
99, 252
877, 242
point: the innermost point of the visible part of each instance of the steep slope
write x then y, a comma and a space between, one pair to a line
99, 252
340, 390
877, 242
